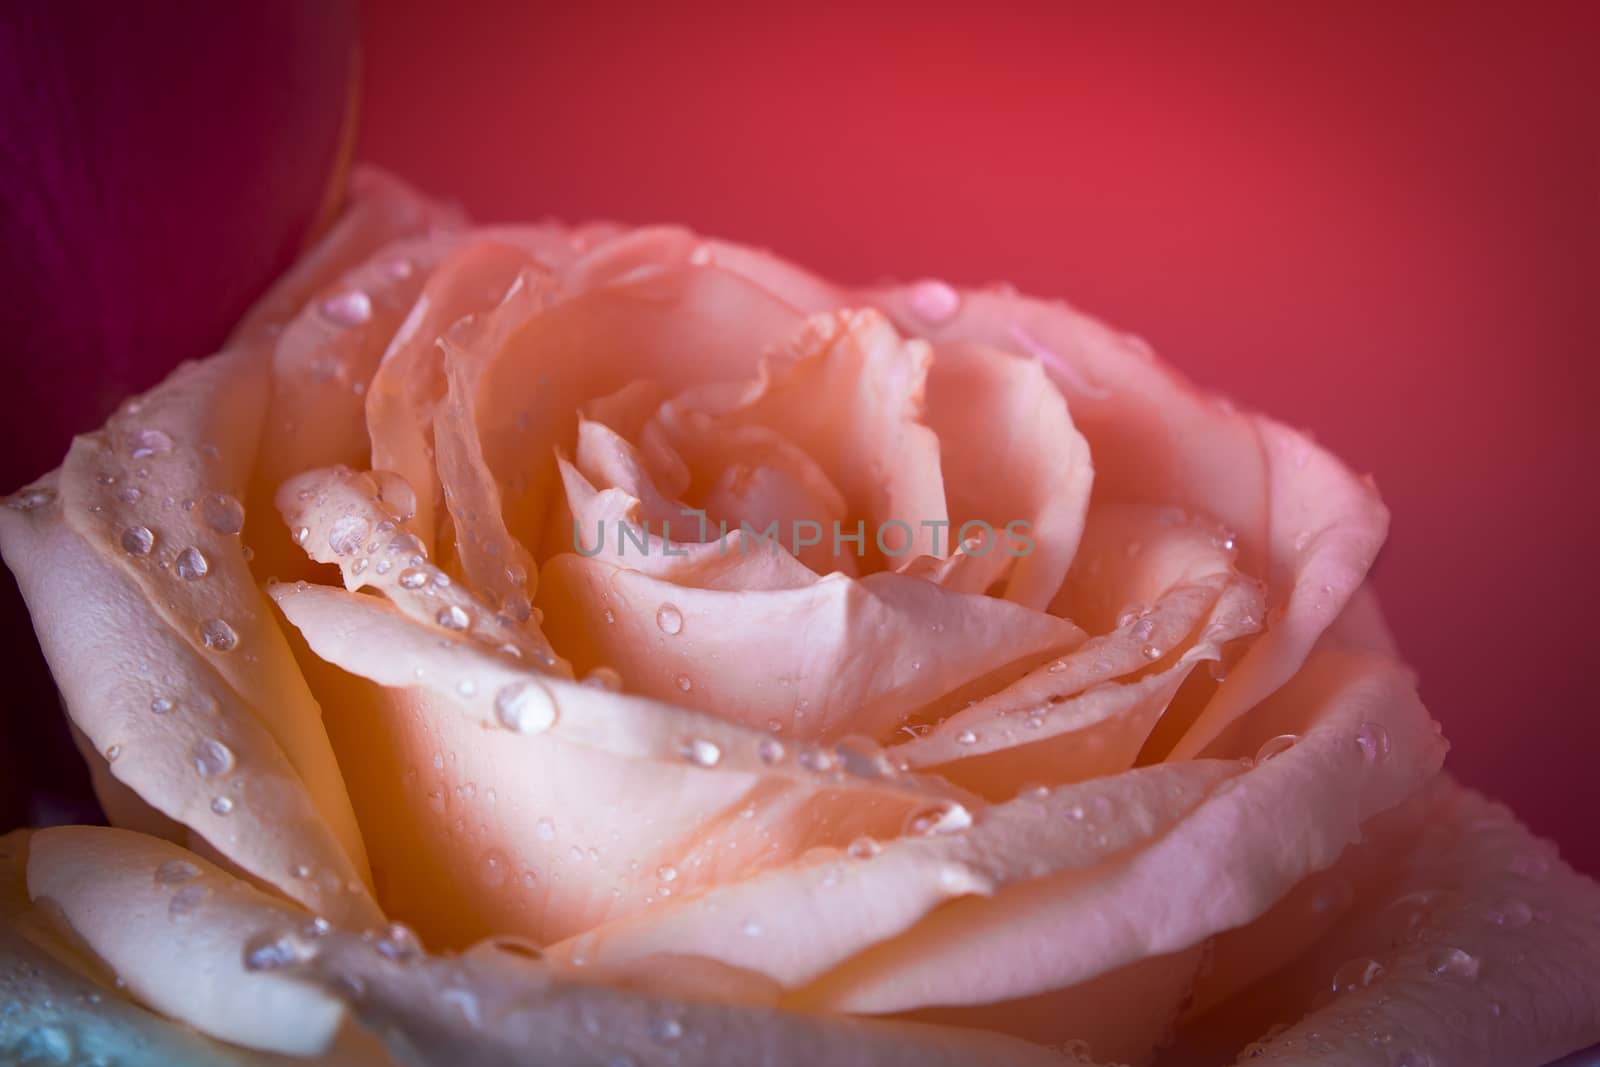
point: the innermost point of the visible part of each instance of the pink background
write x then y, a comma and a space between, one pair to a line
1379, 225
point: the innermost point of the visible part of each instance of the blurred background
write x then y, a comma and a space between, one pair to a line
1379, 222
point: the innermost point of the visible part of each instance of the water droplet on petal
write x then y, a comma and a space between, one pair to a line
525, 707
191, 564
211, 758
142, 444
176, 872
187, 900
273, 951
1511, 912
669, 619
412, 577
606, 678
684, 683
1445, 961
29, 499
1373, 740
667, 873
496, 866
221, 805
223, 513
161, 705
348, 534
700, 752
398, 944
138, 540
770, 749
1275, 746
863, 848
347, 309
934, 302
112, 753
1151, 653
1356, 974
545, 828
454, 617
218, 636
944, 819
966, 737
666, 1029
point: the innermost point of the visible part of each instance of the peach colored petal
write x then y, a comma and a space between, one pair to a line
848, 392
496, 1006
175, 929
1226, 863
835, 657
1009, 453
58, 1005
167, 712
685, 325
1487, 950
340, 516
409, 381
795, 923
541, 787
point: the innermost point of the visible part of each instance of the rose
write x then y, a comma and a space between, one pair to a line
1159, 767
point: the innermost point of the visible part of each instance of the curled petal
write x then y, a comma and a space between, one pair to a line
174, 929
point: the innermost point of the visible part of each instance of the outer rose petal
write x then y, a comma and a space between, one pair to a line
494, 1008
145, 694
1490, 949
174, 929
56, 1006
1237, 853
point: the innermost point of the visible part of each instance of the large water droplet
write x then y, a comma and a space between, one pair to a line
1445, 961
211, 758
191, 564
943, 819
1373, 740
412, 577
138, 540
525, 707
223, 513
700, 752
176, 872
142, 444
1275, 746
218, 636
1356, 974
347, 309
272, 951
669, 619
454, 617
934, 302
347, 534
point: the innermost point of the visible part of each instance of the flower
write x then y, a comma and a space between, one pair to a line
609, 645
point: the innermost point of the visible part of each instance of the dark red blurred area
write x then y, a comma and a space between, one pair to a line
1381, 222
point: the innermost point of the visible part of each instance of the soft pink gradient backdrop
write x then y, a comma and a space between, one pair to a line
1380, 225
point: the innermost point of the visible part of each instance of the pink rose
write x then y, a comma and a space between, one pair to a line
613, 646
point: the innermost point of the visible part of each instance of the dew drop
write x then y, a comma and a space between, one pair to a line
525, 707
112, 753
273, 951
684, 683
700, 752
138, 540
398, 944
1445, 961
218, 636
1151, 653
770, 749
142, 444
187, 900
412, 577
211, 758
863, 848
1356, 974
666, 1029
944, 819
191, 564
667, 872
454, 617
966, 737
1275, 746
934, 301
606, 678
348, 534
1511, 912
221, 805
669, 619
29, 499
347, 309
545, 828
494, 869
176, 872
1373, 740
223, 513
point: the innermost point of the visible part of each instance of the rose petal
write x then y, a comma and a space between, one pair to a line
1010, 453
1240, 850
498, 1009
57, 1007
174, 928
860, 655
167, 714
1489, 949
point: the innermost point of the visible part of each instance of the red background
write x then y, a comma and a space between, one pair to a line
1381, 224
1378, 224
